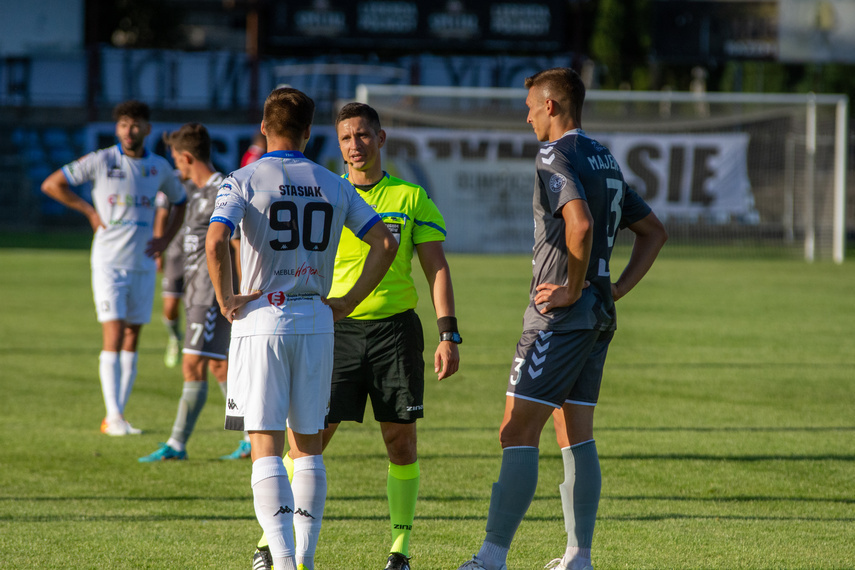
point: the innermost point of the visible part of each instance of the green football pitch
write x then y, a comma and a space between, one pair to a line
726, 431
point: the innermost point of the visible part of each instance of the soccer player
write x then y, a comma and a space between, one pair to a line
580, 202
126, 179
291, 212
171, 263
206, 340
378, 348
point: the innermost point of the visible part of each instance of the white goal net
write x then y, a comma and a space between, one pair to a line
759, 174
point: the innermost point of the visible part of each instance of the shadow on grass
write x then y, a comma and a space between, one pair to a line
619, 457
136, 518
699, 429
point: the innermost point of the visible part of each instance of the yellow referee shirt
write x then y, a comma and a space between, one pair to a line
413, 218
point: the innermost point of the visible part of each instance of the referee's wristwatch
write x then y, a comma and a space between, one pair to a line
452, 336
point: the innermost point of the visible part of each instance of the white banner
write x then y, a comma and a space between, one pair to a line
689, 177
483, 181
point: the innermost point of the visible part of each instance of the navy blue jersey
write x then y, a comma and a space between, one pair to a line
576, 167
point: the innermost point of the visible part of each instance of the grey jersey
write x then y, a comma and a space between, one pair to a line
576, 167
198, 289
174, 252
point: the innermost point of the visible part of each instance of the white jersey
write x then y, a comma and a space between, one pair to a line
291, 212
123, 194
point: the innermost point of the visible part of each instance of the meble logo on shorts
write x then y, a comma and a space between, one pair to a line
557, 182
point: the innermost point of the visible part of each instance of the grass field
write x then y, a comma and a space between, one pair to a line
726, 431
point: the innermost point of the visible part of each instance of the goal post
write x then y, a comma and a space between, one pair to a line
763, 173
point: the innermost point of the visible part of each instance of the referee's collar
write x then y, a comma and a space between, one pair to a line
383, 178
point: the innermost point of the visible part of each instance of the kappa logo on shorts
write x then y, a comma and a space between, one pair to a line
231, 405
276, 298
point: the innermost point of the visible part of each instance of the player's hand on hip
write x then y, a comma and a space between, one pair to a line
155, 247
341, 306
231, 306
551, 296
616, 294
95, 221
446, 359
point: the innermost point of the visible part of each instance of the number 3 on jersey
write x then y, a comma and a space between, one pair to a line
285, 217
616, 185
614, 219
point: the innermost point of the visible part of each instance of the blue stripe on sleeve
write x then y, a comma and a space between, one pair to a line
432, 225
223, 220
67, 176
368, 225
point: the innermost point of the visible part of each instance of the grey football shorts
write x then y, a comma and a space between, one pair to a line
553, 367
208, 332
172, 283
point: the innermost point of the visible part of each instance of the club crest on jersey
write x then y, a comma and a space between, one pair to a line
276, 298
557, 182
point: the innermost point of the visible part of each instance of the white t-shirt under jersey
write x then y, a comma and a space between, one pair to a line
291, 212
123, 193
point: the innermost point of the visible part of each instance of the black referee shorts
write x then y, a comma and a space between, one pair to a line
381, 359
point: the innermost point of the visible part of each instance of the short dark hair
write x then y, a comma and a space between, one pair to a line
192, 138
288, 112
361, 110
562, 84
132, 109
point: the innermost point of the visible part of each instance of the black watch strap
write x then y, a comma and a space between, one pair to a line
452, 336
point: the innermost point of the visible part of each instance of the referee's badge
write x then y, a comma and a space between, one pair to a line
557, 182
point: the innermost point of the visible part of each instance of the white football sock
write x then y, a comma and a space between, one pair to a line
274, 508
128, 362
110, 372
310, 493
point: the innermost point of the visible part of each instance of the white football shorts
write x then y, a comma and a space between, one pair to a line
123, 294
279, 381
